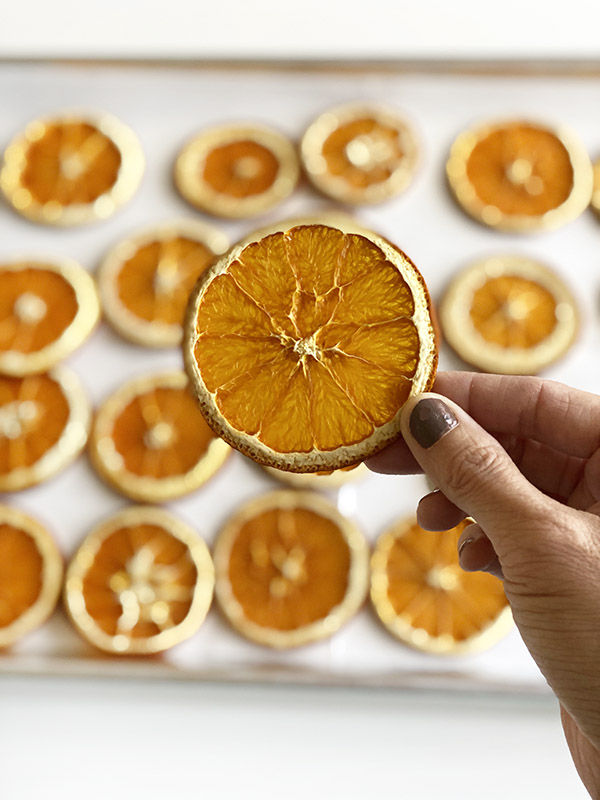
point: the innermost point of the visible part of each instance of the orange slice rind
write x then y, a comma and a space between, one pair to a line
44, 425
145, 280
303, 346
237, 171
596, 191
290, 569
509, 314
150, 442
140, 583
424, 599
72, 169
31, 571
46, 312
520, 176
359, 153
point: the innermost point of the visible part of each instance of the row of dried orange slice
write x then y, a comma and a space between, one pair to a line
288, 569
512, 175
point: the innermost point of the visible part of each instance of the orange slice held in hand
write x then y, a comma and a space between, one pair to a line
237, 171
31, 571
509, 314
425, 599
520, 176
303, 346
46, 312
72, 169
290, 569
360, 154
140, 583
44, 424
150, 441
145, 281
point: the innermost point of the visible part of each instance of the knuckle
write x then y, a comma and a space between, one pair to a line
466, 469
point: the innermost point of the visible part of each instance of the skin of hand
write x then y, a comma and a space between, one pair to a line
522, 457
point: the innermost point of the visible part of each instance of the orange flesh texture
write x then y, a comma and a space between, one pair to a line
190, 440
338, 163
21, 569
288, 568
489, 164
171, 576
240, 169
533, 315
460, 612
181, 261
25, 437
307, 340
18, 334
71, 163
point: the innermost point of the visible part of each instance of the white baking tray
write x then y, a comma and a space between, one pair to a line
165, 105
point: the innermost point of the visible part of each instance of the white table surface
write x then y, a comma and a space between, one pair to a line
107, 738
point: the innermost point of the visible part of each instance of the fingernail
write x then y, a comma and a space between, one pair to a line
431, 419
464, 544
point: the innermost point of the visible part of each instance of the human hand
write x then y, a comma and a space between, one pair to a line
522, 456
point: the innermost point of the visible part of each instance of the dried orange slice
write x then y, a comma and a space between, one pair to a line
303, 346
237, 171
72, 169
31, 571
321, 481
425, 599
290, 569
145, 281
151, 443
360, 154
46, 312
44, 424
141, 582
509, 314
520, 176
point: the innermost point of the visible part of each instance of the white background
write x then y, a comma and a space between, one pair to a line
66, 739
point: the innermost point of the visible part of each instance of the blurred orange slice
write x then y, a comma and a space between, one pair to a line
360, 154
72, 169
596, 192
321, 481
145, 281
140, 583
151, 443
290, 569
31, 571
237, 171
520, 176
509, 314
425, 599
303, 346
46, 312
44, 424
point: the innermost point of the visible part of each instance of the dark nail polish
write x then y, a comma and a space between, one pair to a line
430, 420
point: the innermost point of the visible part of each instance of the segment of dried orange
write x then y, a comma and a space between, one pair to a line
72, 169
290, 569
141, 582
145, 281
31, 571
150, 441
321, 481
237, 171
303, 346
46, 312
425, 599
44, 424
360, 154
509, 314
520, 176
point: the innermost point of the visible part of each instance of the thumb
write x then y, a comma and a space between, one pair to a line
476, 474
